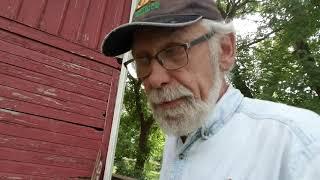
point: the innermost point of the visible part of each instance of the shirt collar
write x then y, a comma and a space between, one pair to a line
224, 109
216, 119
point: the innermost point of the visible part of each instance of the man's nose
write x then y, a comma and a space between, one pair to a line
158, 77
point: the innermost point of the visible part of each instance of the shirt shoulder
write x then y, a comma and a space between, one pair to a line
263, 108
302, 122
302, 152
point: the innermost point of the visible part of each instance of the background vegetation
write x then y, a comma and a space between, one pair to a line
280, 62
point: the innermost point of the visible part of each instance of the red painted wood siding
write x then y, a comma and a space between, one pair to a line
57, 91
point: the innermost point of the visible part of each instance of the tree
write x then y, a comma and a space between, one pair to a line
140, 140
280, 62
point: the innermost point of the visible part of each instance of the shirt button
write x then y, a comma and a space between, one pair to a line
181, 156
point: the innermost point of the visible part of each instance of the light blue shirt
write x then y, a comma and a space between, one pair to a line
247, 139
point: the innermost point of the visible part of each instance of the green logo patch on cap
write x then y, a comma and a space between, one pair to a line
145, 6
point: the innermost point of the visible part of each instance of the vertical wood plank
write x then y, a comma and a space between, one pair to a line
74, 14
53, 16
84, 17
114, 8
63, 17
41, 13
10, 8
126, 12
31, 12
109, 118
93, 24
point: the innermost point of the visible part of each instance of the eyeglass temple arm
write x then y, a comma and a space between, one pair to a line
127, 62
201, 39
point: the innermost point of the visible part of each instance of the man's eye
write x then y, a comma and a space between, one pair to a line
171, 51
174, 53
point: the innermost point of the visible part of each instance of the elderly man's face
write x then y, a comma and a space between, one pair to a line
180, 98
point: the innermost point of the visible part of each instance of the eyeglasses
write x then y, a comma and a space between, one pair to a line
171, 58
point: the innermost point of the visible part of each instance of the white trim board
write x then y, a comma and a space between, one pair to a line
117, 112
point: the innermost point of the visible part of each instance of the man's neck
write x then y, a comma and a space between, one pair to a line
223, 89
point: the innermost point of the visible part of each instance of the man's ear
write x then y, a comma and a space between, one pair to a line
228, 52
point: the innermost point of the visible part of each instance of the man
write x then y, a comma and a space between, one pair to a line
182, 51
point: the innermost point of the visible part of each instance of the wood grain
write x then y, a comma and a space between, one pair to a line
26, 144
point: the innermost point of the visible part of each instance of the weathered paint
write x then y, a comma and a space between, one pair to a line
44, 111
57, 91
20, 95
53, 52
26, 144
52, 125
60, 92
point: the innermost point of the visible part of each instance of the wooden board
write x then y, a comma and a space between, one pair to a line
39, 110
42, 135
26, 144
54, 52
58, 42
63, 67
57, 91
52, 91
51, 125
42, 170
11, 176
21, 95
44, 158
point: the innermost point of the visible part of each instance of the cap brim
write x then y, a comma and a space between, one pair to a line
119, 40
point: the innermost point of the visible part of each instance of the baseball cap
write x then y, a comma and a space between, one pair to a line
158, 13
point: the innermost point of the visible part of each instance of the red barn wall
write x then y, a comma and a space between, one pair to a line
57, 91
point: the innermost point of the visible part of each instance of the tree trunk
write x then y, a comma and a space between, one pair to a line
146, 123
240, 83
309, 64
143, 147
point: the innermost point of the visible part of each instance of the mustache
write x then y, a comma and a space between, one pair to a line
168, 93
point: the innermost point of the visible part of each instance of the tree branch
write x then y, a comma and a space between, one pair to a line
234, 6
257, 40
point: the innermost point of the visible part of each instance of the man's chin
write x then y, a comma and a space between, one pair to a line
178, 125
170, 115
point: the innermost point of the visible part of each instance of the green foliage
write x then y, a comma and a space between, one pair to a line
284, 67
280, 62
127, 150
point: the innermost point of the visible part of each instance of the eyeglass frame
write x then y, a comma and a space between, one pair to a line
186, 46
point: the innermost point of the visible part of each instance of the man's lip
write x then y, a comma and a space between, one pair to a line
170, 104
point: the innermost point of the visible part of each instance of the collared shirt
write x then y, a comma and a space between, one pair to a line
247, 139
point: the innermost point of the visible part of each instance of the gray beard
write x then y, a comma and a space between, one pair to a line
189, 116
